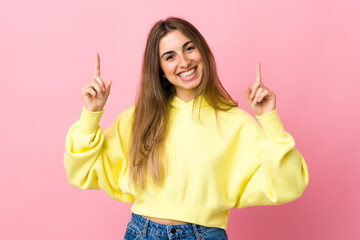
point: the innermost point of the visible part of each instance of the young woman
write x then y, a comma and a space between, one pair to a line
184, 152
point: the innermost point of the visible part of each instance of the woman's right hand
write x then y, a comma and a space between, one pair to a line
96, 91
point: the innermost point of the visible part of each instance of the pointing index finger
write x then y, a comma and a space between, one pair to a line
258, 72
97, 65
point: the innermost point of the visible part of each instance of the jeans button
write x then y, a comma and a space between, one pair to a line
173, 230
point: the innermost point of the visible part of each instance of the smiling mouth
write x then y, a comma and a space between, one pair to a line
188, 74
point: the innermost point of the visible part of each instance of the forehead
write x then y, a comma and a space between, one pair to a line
172, 41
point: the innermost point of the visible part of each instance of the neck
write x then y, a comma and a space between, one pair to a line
186, 97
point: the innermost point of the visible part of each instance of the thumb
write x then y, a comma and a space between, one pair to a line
108, 85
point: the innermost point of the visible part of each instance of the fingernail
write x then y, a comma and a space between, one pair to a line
103, 89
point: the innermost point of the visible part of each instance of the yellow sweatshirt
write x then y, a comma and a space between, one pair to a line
210, 169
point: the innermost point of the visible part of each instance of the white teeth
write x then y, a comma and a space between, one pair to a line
186, 74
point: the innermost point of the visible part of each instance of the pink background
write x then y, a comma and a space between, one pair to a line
310, 58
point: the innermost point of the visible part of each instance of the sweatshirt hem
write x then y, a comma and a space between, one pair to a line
185, 212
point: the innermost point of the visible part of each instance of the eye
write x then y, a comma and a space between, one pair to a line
169, 57
190, 48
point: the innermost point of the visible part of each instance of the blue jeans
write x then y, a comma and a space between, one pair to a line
141, 228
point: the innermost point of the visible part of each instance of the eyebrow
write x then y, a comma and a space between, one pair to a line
185, 44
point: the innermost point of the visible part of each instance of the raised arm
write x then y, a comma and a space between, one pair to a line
95, 158
279, 172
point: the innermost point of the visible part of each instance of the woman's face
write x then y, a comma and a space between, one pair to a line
181, 62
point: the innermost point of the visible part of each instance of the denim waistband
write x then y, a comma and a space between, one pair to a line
152, 227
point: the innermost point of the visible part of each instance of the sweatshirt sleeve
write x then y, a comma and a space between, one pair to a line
279, 173
97, 159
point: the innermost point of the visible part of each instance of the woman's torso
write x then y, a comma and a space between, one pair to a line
165, 221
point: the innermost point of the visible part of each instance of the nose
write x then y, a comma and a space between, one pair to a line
184, 62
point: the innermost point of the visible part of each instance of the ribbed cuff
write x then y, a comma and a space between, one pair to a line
272, 125
89, 121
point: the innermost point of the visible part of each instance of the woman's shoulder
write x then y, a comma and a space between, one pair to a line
127, 114
238, 112
130, 110
239, 118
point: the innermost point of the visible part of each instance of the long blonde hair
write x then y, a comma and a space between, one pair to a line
149, 129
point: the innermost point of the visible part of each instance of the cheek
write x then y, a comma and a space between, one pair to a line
168, 68
163, 69
197, 57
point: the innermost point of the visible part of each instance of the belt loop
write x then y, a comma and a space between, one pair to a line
197, 234
144, 231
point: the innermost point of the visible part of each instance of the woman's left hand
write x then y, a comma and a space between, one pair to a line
260, 98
